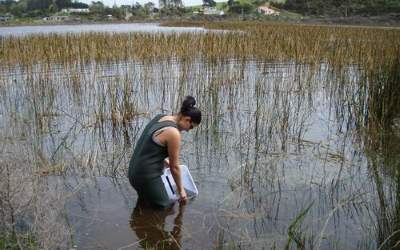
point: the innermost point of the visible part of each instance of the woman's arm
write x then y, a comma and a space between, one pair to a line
173, 143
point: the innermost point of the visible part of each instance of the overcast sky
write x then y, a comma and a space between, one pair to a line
130, 2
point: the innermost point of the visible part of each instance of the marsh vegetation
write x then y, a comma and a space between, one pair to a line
298, 147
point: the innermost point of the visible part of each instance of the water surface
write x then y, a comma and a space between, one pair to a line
282, 153
82, 28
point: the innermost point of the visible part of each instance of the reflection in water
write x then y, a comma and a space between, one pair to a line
149, 225
385, 175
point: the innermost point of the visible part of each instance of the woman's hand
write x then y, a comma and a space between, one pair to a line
166, 163
183, 196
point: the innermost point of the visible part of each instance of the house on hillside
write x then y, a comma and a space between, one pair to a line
73, 10
212, 11
128, 15
127, 12
56, 18
266, 10
170, 3
6, 18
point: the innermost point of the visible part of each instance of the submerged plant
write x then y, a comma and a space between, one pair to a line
295, 233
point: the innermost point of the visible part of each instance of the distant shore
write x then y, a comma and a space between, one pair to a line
86, 22
389, 20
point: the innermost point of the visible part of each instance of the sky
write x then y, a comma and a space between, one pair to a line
130, 2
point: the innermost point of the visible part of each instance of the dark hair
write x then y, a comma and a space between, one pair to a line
188, 109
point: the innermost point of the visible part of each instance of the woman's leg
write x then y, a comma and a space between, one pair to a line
154, 192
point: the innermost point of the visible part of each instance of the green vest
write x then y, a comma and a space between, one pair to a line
147, 161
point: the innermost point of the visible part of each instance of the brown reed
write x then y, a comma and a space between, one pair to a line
373, 48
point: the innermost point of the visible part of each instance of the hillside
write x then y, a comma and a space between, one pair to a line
339, 7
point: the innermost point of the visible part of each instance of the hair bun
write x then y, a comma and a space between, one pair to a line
188, 103
188, 109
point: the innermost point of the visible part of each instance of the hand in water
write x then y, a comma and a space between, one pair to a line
183, 197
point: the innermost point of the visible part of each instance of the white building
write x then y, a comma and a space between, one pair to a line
6, 18
170, 3
56, 18
267, 11
72, 10
212, 11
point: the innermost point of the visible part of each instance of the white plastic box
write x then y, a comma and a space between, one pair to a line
187, 180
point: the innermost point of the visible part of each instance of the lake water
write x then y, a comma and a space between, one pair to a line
112, 28
282, 157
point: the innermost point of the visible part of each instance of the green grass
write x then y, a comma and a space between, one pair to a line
221, 5
23, 21
10, 241
290, 15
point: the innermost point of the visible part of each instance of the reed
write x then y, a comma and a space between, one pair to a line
373, 48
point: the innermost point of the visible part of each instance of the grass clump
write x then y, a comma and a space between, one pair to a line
11, 241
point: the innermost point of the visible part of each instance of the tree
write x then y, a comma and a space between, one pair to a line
173, 11
53, 8
97, 7
18, 9
341, 7
149, 7
7, 3
38, 4
78, 5
37, 7
209, 3
137, 9
316, 7
241, 8
116, 12
62, 3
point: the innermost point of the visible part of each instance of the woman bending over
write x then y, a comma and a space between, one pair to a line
160, 139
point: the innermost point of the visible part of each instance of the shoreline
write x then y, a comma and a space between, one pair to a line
391, 21
74, 23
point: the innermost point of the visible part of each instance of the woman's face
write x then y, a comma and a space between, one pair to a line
186, 123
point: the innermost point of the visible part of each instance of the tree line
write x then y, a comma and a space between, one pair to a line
37, 7
341, 7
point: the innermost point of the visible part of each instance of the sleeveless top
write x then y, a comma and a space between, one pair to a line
147, 161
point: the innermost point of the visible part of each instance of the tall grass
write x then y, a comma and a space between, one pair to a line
375, 50
372, 48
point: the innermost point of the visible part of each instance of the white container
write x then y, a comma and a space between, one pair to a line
187, 180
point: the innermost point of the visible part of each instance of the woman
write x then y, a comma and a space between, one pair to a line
160, 139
